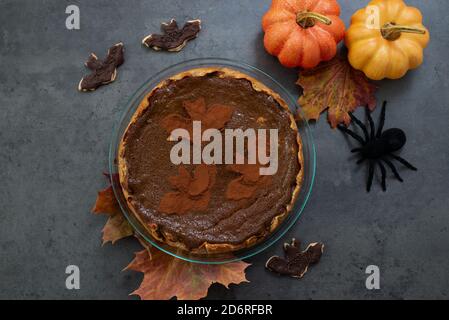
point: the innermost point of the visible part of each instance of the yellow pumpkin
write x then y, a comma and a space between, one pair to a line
386, 39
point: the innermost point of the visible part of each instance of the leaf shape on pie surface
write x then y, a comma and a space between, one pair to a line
238, 190
337, 87
214, 117
217, 116
176, 121
117, 227
196, 109
166, 277
250, 172
192, 193
200, 181
247, 183
182, 181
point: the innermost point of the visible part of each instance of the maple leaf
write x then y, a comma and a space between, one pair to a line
192, 193
117, 227
336, 86
166, 277
213, 117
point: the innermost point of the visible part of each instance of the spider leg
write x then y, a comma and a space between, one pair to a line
384, 176
370, 176
382, 120
361, 161
404, 162
361, 125
356, 150
351, 133
393, 169
371, 123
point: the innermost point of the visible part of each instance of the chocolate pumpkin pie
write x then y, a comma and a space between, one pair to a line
208, 208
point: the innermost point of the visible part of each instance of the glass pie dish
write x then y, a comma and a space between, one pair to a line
308, 148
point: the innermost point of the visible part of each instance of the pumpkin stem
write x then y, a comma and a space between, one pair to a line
307, 19
391, 31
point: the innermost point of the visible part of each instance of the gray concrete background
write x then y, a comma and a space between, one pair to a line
54, 145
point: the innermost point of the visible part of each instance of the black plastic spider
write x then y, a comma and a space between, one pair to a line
378, 147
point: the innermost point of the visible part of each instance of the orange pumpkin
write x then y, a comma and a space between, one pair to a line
302, 33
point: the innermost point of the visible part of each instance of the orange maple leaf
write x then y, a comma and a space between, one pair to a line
117, 227
213, 117
166, 277
246, 185
192, 193
336, 86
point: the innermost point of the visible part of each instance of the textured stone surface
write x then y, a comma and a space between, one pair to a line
54, 145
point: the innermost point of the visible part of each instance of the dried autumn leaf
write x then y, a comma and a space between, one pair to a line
144, 243
336, 86
106, 202
166, 277
117, 227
